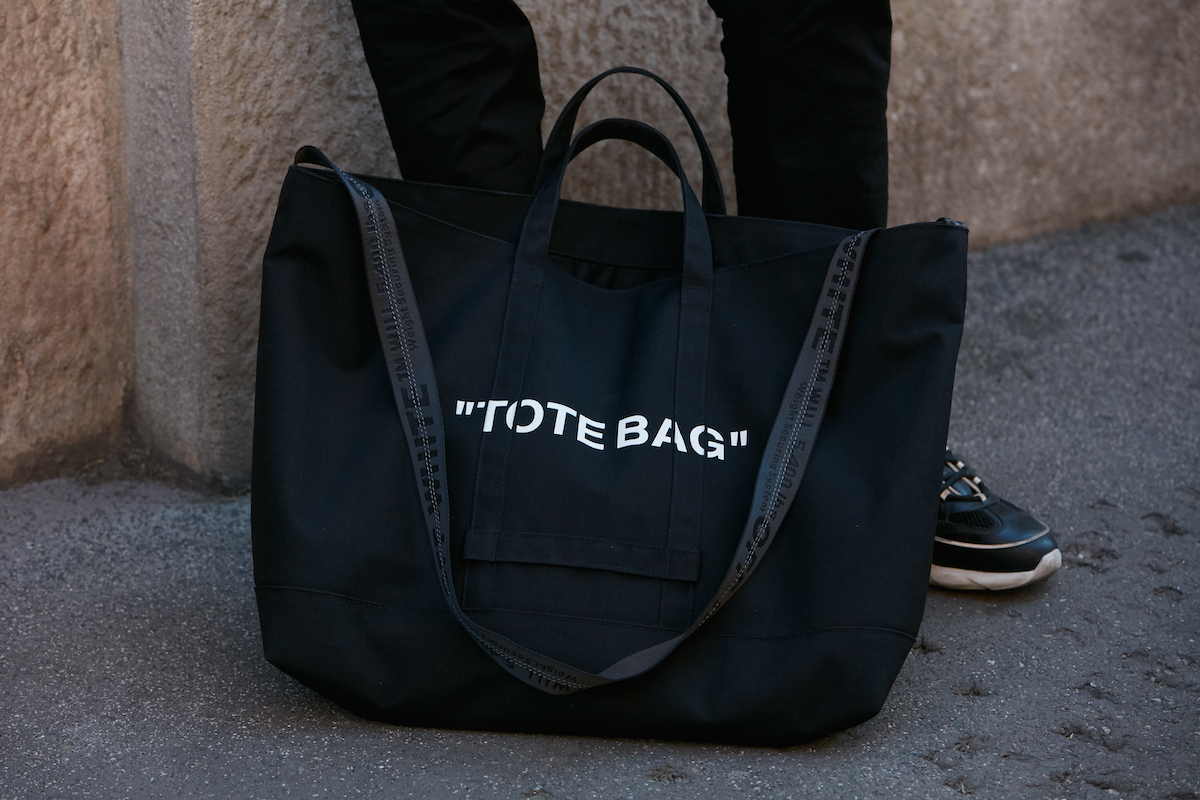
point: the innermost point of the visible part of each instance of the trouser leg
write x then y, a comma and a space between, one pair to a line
458, 82
807, 107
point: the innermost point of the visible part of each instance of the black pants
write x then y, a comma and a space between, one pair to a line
458, 82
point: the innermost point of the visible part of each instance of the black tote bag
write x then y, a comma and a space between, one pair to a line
518, 461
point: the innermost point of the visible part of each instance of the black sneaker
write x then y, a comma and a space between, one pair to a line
984, 542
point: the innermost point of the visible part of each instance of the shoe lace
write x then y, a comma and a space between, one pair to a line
960, 482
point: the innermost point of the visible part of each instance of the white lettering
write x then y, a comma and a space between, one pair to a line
590, 429
632, 431
715, 444
560, 421
664, 436
538, 415
492, 405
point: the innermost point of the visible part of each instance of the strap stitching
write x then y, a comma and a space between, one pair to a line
707, 635
763, 528
383, 263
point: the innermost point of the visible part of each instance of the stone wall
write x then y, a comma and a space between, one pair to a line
1030, 116
220, 94
1018, 118
65, 329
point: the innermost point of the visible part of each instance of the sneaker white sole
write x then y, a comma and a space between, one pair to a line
970, 580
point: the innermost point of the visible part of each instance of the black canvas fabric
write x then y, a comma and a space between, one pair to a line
599, 519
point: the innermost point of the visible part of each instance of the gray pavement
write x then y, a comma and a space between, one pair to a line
130, 663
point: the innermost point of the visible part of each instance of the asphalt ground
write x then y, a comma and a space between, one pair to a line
131, 666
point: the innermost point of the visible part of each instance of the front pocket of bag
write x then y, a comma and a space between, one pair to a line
578, 577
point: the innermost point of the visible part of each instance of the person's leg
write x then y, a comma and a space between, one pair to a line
807, 107
458, 83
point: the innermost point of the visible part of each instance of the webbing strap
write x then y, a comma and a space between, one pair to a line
414, 387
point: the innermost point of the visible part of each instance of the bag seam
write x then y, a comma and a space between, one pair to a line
831, 629
589, 620
429, 219
604, 566
700, 634
418, 216
348, 599
638, 545
599, 566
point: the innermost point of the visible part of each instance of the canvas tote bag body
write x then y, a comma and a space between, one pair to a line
526, 464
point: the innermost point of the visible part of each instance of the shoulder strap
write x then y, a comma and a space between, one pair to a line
414, 387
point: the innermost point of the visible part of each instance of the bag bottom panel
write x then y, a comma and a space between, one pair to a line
420, 668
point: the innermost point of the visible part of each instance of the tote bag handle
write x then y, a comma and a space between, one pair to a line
560, 137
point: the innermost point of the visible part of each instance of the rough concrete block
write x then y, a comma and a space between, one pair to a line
65, 334
221, 94
1025, 117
